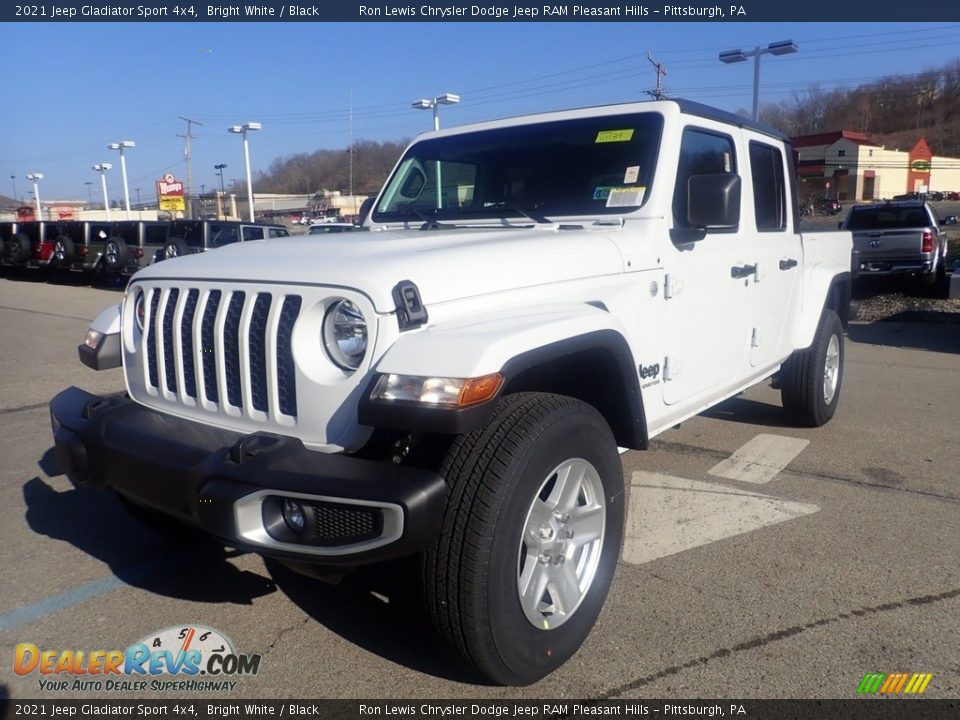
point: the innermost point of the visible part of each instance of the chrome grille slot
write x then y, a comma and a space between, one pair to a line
208, 347
169, 356
152, 339
231, 349
286, 372
186, 342
258, 352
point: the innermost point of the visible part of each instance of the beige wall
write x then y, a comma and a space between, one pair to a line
944, 173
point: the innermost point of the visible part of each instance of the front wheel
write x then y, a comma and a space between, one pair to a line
810, 379
530, 539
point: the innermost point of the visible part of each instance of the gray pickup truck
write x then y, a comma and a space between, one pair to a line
899, 237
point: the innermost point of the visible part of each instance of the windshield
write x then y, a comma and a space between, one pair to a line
586, 166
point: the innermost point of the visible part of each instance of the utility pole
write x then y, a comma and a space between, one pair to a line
188, 155
659, 93
350, 117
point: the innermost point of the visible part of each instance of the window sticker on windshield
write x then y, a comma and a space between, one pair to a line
625, 196
605, 136
631, 175
601, 192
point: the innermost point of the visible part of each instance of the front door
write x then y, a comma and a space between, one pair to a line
707, 310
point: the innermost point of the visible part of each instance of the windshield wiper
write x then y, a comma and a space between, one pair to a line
529, 213
429, 223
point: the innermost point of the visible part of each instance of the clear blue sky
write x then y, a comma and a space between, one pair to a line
74, 88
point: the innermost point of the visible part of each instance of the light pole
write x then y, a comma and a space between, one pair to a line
445, 99
243, 129
13, 179
123, 168
102, 169
35, 178
434, 104
784, 47
89, 184
219, 168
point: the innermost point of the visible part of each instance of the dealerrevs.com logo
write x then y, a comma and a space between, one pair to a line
181, 658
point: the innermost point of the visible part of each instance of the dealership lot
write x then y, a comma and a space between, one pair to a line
761, 560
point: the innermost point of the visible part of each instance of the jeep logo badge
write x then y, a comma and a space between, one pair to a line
649, 371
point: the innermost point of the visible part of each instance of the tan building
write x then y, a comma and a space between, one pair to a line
850, 166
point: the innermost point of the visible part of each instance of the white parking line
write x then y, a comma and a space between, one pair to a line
668, 515
760, 460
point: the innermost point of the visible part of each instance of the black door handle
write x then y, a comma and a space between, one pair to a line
742, 271
787, 264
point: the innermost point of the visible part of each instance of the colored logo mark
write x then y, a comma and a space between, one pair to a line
894, 683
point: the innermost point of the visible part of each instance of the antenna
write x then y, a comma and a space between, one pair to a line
659, 93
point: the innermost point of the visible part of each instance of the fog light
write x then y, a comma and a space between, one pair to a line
293, 515
93, 338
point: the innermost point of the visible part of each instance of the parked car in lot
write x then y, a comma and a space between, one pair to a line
193, 236
34, 244
899, 238
123, 246
326, 228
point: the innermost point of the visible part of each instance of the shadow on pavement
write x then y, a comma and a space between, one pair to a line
189, 568
392, 625
938, 337
751, 412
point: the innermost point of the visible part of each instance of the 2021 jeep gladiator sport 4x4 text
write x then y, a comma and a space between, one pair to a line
533, 294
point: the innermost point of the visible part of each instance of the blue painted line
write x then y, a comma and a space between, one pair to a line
79, 594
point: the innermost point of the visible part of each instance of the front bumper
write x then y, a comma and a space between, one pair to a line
233, 486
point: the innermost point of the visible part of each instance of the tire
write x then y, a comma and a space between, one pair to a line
810, 379
501, 477
19, 248
115, 254
64, 250
175, 248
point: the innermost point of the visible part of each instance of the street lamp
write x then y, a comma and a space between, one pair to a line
102, 169
219, 168
445, 99
36, 178
424, 104
784, 47
13, 179
242, 129
123, 168
89, 184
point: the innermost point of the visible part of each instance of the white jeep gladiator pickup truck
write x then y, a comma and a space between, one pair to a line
532, 294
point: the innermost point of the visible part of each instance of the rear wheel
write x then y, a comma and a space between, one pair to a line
530, 540
810, 379
64, 250
174, 248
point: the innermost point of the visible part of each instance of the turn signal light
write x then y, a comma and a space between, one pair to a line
481, 389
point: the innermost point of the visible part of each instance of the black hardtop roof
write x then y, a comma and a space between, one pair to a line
689, 107
891, 203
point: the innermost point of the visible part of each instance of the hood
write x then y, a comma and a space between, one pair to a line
445, 264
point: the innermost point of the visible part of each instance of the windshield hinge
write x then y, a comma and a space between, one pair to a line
411, 312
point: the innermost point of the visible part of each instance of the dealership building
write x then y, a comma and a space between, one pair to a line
850, 166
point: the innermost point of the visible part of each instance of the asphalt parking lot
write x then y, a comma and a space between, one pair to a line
761, 560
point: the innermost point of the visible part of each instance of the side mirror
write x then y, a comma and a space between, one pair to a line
840, 225
713, 201
949, 220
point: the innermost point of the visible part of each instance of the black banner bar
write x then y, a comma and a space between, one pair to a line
219, 708
176, 11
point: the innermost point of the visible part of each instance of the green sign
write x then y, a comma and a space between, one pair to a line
920, 166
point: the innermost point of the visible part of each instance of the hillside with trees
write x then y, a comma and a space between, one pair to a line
308, 173
893, 111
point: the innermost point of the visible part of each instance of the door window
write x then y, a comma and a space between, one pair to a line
701, 153
769, 188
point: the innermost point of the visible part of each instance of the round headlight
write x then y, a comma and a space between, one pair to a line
345, 335
139, 309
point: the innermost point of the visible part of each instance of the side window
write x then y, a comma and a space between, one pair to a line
277, 232
252, 233
769, 188
155, 235
702, 152
223, 235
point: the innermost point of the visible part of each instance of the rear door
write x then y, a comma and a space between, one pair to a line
776, 253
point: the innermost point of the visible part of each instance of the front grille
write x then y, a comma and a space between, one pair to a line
336, 524
231, 348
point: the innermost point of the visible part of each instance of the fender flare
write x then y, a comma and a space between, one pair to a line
524, 343
823, 289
